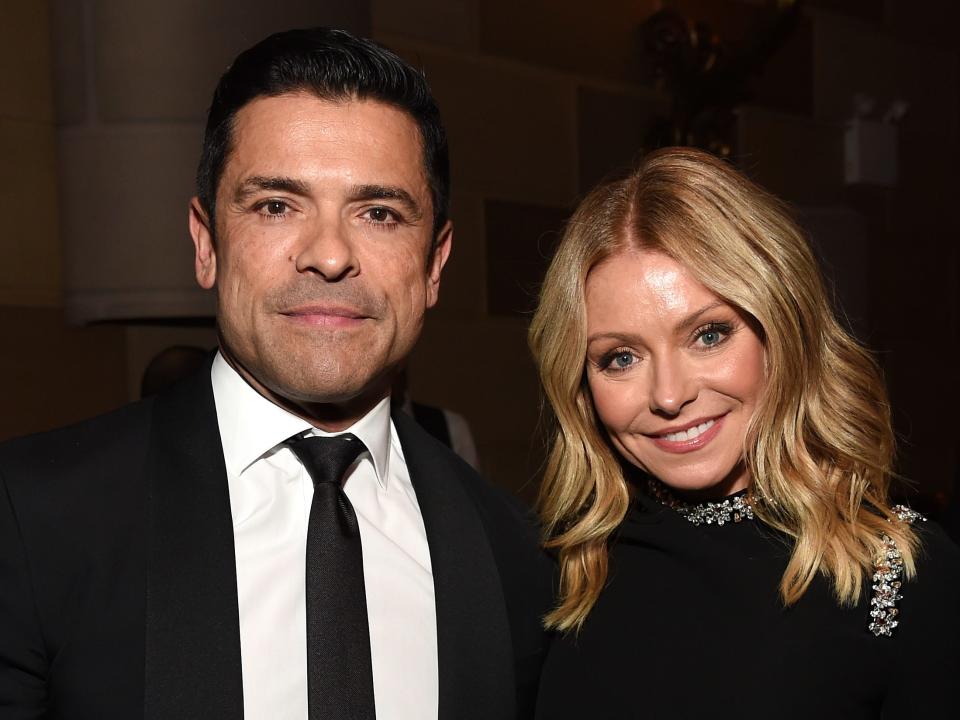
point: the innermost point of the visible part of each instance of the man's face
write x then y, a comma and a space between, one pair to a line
322, 253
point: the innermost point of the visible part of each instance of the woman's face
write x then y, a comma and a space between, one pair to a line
675, 372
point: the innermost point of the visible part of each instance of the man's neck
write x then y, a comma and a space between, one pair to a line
327, 416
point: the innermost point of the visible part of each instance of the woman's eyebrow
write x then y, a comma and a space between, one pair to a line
620, 337
685, 324
693, 318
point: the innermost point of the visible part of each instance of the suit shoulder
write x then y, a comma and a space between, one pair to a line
508, 523
501, 507
116, 432
495, 504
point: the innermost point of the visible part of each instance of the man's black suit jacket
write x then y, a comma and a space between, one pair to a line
118, 590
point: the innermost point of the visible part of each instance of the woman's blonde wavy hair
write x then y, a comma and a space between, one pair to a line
819, 447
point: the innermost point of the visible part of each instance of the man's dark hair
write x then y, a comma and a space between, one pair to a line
333, 65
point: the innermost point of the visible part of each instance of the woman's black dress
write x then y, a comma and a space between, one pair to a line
691, 625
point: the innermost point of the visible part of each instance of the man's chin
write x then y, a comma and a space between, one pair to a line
319, 388
320, 374
332, 389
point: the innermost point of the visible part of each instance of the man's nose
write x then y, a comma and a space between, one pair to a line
327, 250
673, 385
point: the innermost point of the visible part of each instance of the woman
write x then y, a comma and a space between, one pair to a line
717, 489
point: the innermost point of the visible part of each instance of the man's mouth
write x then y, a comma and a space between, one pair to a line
339, 316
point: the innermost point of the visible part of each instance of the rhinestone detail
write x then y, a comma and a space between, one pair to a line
732, 509
888, 579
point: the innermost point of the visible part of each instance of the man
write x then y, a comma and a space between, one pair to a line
266, 540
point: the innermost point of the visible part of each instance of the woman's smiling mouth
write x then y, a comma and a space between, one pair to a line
690, 437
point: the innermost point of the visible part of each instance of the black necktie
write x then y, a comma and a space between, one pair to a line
339, 673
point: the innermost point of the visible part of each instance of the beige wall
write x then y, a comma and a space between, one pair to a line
49, 374
541, 99
30, 271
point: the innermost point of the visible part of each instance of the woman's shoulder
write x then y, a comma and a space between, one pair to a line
929, 602
924, 655
938, 559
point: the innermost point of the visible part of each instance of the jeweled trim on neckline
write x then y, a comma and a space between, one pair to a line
733, 509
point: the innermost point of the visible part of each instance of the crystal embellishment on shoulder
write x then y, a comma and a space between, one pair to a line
888, 579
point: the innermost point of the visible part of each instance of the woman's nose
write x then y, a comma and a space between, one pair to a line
673, 386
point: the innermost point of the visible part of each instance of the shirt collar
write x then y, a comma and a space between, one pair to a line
251, 425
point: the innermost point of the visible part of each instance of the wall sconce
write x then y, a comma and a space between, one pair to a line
870, 143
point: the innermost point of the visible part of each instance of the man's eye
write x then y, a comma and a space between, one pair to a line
273, 208
381, 215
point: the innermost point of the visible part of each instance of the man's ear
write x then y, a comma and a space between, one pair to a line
441, 252
205, 258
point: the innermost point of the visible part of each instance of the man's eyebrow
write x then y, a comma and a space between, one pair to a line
359, 193
256, 183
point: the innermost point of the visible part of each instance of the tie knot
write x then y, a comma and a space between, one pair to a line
326, 459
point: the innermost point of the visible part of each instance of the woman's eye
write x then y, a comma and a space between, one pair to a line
712, 335
617, 361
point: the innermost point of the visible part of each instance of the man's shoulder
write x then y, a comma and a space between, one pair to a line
92, 441
502, 511
494, 504
510, 527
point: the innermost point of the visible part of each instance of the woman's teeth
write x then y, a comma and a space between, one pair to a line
689, 433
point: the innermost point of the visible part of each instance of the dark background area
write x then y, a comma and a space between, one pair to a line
101, 112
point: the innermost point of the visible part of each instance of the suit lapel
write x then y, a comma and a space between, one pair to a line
475, 655
192, 623
193, 665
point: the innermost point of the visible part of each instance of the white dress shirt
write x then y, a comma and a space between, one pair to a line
270, 496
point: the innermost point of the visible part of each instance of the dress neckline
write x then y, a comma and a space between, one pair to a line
733, 508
